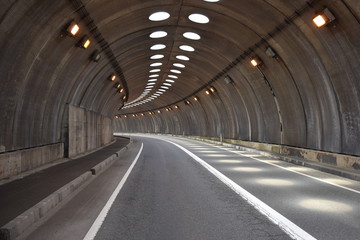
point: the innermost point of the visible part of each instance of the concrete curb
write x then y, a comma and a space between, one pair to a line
23, 223
294, 160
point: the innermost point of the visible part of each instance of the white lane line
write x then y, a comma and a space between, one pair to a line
284, 168
100, 219
285, 224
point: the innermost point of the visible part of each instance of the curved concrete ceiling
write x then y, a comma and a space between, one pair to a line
306, 96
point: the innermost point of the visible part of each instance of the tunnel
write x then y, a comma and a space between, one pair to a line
269, 75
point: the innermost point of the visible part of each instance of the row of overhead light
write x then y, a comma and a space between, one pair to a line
73, 30
322, 19
155, 70
208, 91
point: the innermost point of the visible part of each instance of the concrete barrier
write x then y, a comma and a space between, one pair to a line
27, 221
16, 162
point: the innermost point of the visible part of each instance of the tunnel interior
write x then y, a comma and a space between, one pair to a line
183, 67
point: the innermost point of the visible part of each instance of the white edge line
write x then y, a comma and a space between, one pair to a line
285, 224
284, 168
100, 219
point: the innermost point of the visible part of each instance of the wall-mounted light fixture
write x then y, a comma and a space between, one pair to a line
125, 116
196, 98
228, 80
142, 114
270, 52
117, 85
176, 107
187, 102
73, 29
207, 91
112, 77
159, 111
323, 18
255, 61
85, 42
95, 56
121, 90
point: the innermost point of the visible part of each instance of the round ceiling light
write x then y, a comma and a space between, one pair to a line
192, 36
187, 48
179, 65
175, 71
158, 47
159, 16
156, 64
158, 34
182, 57
198, 18
157, 56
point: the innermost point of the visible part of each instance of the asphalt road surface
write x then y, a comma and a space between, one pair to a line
185, 189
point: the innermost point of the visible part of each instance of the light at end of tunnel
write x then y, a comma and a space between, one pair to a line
323, 18
73, 29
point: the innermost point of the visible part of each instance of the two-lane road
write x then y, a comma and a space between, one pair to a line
173, 195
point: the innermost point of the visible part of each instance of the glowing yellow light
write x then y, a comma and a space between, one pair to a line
73, 29
112, 77
86, 44
254, 62
212, 89
320, 20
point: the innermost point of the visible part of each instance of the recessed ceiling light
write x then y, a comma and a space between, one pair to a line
157, 56
152, 80
158, 34
167, 84
179, 65
192, 36
158, 47
187, 48
155, 70
155, 64
169, 80
173, 76
182, 57
175, 71
198, 18
153, 76
159, 16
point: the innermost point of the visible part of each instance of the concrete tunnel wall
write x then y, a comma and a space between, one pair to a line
308, 96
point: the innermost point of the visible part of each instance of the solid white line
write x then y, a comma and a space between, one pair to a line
100, 219
285, 224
